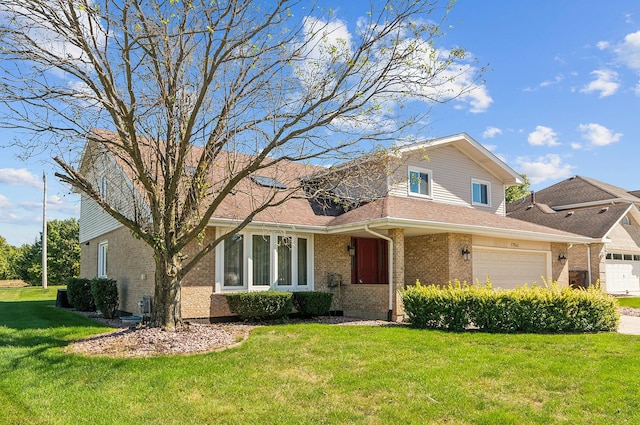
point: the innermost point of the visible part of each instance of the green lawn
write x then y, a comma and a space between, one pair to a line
633, 302
315, 374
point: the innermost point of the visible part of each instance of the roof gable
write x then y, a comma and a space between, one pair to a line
474, 150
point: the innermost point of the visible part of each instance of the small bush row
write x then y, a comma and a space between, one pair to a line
89, 294
526, 309
277, 305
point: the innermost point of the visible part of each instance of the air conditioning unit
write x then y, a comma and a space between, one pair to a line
145, 305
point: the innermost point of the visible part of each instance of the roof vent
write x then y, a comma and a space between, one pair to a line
604, 210
529, 207
569, 214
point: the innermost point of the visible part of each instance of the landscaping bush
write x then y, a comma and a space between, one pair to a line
437, 308
525, 309
311, 304
105, 296
260, 305
79, 294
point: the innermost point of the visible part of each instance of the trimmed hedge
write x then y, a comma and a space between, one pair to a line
525, 309
260, 305
311, 304
105, 296
79, 294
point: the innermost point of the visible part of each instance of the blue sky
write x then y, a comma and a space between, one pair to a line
561, 97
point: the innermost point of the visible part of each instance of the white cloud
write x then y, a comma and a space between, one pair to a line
556, 80
543, 136
576, 146
602, 45
491, 132
19, 177
548, 167
425, 75
490, 148
4, 202
606, 83
629, 50
598, 135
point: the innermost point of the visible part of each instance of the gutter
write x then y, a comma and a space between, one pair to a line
390, 271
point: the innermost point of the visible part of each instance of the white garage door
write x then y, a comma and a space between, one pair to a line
623, 273
508, 269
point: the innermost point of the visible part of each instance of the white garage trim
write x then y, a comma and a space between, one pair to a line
508, 268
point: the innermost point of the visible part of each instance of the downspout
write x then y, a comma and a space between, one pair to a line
388, 239
588, 263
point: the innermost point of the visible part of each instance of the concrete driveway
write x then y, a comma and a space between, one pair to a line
629, 325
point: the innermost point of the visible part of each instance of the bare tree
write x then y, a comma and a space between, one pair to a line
199, 95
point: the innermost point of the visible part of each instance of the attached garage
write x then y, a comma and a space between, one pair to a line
622, 273
510, 268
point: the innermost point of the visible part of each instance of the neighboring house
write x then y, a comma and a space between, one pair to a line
433, 211
591, 208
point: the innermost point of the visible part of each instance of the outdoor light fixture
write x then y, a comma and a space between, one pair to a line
351, 250
466, 253
562, 258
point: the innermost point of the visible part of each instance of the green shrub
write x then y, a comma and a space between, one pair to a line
105, 296
525, 309
79, 294
311, 304
437, 308
260, 305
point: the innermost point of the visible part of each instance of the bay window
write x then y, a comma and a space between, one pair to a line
259, 261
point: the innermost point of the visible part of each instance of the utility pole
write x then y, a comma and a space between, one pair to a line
44, 232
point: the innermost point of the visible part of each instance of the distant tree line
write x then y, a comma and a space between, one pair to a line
63, 255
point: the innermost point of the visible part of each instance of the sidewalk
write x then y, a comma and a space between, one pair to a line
629, 325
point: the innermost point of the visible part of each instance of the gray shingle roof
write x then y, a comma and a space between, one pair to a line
594, 222
577, 190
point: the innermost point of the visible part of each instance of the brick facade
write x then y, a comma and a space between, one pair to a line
437, 259
129, 262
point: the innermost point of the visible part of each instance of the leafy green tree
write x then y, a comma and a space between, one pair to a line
513, 193
63, 254
7, 254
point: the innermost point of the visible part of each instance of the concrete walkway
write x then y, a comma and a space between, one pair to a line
629, 325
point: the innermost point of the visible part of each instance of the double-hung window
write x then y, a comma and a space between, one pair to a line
259, 261
481, 192
102, 259
419, 182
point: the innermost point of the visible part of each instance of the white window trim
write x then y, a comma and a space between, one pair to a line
103, 262
247, 284
429, 174
103, 187
486, 183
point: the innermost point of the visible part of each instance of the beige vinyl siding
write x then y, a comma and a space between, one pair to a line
452, 173
93, 220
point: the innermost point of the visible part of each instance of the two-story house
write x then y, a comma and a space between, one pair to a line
433, 211
598, 210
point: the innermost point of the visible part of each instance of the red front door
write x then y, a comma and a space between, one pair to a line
370, 261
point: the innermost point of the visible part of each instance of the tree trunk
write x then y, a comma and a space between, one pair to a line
166, 311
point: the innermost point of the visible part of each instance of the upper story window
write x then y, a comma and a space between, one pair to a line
103, 187
480, 192
419, 182
625, 220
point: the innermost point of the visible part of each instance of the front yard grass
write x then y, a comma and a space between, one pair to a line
316, 374
633, 302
